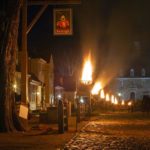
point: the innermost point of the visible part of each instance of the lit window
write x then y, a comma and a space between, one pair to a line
131, 72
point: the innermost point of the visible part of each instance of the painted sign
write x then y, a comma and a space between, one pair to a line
23, 112
63, 22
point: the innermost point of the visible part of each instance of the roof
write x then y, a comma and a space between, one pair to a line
35, 79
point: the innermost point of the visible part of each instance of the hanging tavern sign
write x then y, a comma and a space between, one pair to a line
62, 22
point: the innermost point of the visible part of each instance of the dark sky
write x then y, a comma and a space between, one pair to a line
116, 31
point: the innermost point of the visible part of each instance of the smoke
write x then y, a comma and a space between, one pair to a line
115, 33
93, 21
124, 46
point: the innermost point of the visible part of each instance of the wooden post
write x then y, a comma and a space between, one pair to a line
66, 116
78, 111
90, 108
60, 116
47, 85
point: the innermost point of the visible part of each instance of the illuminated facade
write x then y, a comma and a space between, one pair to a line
43, 71
132, 87
40, 83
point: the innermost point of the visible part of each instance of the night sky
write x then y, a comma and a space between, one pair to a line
116, 31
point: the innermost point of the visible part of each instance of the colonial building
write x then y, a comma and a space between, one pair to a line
40, 83
132, 86
36, 83
43, 71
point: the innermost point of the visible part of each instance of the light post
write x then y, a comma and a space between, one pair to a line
87, 92
86, 79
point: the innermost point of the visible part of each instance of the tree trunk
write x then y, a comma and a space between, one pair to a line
9, 22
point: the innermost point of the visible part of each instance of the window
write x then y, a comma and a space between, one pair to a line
131, 72
132, 95
143, 72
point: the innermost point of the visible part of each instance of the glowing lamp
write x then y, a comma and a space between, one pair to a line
129, 103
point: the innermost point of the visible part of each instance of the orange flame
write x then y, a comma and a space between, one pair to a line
96, 88
112, 99
129, 103
107, 97
102, 94
116, 101
122, 103
87, 71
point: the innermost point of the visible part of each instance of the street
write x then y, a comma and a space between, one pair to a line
104, 131
114, 131
41, 137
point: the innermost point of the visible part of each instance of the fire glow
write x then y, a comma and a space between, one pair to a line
116, 101
107, 97
97, 87
112, 99
102, 94
129, 103
87, 71
122, 103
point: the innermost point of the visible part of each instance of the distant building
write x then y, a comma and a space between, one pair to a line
132, 86
66, 88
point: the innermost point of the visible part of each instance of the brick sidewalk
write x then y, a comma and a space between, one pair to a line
36, 126
43, 137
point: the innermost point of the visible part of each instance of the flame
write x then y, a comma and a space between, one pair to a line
129, 103
15, 86
87, 71
107, 97
96, 88
102, 94
116, 101
112, 99
122, 103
